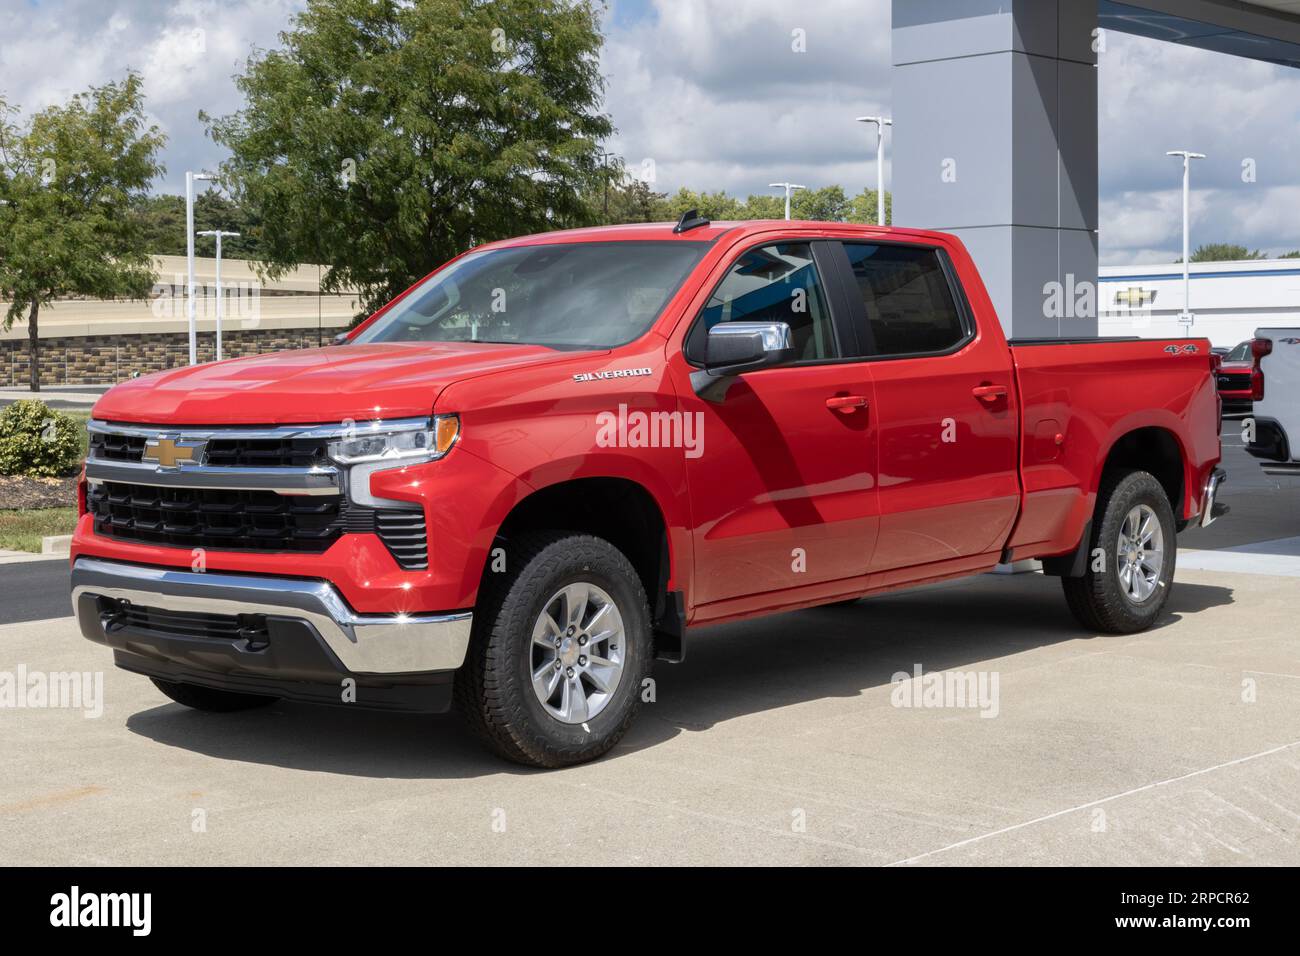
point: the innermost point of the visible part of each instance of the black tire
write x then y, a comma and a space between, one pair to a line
1098, 599
847, 602
209, 698
494, 691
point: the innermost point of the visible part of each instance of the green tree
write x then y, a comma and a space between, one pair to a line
863, 208
1223, 252
716, 206
1290, 255
386, 136
828, 204
68, 180
162, 219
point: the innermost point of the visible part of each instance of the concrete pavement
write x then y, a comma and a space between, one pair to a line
777, 742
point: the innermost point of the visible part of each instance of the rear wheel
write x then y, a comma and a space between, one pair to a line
208, 698
1131, 557
560, 648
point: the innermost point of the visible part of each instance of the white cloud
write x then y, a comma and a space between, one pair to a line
713, 92
186, 51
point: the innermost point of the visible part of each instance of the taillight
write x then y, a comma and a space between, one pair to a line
1258, 349
1216, 362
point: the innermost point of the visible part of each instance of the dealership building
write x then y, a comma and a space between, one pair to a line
1228, 300
995, 112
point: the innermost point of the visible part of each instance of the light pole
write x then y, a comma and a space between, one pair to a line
881, 122
604, 158
1186, 318
190, 179
789, 188
219, 234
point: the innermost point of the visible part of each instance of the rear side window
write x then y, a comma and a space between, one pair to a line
775, 283
907, 298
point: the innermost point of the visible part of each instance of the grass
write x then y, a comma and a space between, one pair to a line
23, 530
81, 416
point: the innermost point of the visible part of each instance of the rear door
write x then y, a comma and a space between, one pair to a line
944, 410
783, 494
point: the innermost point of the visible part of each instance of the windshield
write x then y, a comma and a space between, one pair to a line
572, 295
1239, 354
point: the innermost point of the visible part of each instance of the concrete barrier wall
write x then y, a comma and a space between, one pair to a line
108, 359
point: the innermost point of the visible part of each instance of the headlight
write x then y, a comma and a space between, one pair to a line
406, 447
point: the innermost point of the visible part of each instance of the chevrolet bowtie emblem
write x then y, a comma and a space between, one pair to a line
173, 452
1135, 297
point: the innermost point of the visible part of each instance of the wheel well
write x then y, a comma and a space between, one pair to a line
1155, 450
616, 509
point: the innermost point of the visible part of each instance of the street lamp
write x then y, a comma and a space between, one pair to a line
881, 122
219, 234
789, 188
190, 179
1186, 318
604, 158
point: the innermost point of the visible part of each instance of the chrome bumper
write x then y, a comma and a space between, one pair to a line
1212, 485
364, 644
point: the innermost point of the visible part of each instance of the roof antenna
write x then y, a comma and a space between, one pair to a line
691, 219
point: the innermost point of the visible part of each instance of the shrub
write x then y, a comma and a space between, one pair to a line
38, 442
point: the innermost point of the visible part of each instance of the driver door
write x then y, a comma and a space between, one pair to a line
784, 493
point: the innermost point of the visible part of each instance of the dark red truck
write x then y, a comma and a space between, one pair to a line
539, 468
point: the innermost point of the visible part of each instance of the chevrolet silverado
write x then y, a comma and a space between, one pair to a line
540, 468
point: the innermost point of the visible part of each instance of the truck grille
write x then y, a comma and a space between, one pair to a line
222, 452
288, 498
223, 520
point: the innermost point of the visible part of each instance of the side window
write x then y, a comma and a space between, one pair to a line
909, 303
776, 283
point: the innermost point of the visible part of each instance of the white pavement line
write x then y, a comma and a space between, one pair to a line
1278, 558
1094, 803
672, 808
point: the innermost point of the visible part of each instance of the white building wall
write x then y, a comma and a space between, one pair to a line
1228, 299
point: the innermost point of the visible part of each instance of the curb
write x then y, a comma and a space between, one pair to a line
56, 544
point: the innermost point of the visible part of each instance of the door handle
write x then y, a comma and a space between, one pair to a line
989, 393
847, 404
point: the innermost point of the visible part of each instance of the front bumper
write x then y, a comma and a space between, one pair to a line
214, 628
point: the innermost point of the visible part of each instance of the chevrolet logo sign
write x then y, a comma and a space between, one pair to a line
1135, 297
173, 452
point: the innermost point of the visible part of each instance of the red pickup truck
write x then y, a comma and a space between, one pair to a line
522, 481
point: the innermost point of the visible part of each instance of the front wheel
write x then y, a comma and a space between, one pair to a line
1131, 557
561, 645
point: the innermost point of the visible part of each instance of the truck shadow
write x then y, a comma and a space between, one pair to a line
732, 670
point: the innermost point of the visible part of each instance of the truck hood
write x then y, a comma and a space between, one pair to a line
312, 386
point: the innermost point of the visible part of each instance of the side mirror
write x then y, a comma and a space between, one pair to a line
736, 347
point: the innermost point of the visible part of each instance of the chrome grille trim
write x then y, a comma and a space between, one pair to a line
234, 432
283, 481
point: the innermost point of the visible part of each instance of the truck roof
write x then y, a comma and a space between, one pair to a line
664, 231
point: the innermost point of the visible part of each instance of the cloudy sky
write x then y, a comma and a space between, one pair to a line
711, 92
